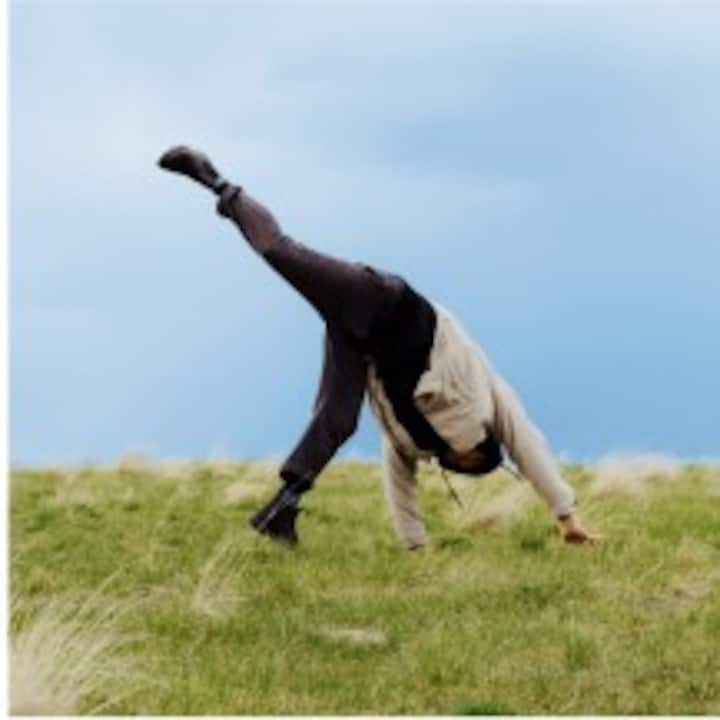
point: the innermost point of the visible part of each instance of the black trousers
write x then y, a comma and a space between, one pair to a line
368, 314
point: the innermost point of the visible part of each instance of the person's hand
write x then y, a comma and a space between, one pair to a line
573, 532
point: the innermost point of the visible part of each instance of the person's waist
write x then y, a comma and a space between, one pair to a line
408, 327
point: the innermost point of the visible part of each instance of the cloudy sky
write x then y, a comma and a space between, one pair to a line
547, 171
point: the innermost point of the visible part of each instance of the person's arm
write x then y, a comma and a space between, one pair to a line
400, 485
528, 449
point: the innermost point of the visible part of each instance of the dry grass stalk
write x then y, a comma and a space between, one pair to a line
262, 471
70, 658
242, 490
71, 492
355, 635
215, 595
510, 502
632, 474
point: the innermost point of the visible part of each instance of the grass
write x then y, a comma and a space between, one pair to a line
71, 655
140, 589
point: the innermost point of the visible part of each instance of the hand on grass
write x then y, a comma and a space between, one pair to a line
573, 532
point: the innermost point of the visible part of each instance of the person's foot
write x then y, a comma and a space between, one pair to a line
277, 518
196, 165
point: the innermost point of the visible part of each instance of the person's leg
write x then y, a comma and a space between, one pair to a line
335, 416
348, 295
336, 409
352, 296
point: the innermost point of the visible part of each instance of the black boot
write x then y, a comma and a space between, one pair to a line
277, 518
196, 165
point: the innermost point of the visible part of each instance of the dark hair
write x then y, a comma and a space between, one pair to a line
491, 452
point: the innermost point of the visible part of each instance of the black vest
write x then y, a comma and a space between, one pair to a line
402, 356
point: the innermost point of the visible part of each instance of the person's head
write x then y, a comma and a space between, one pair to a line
482, 459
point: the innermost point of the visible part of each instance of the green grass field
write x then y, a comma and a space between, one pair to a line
140, 589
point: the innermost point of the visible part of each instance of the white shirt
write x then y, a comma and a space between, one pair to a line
463, 398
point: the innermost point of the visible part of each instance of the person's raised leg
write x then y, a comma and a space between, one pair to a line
348, 295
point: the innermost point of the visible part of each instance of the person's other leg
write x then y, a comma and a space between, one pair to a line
335, 416
336, 409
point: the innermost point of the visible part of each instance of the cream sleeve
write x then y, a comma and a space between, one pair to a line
400, 486
529, 450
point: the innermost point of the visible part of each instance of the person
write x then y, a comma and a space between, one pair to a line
432, 390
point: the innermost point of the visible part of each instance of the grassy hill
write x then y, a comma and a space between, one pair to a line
140, 589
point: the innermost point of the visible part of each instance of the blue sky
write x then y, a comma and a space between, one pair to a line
547, 171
